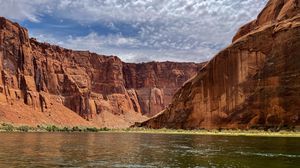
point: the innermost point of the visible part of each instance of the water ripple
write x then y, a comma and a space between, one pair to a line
269, 154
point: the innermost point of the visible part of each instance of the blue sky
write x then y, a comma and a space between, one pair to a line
135, 30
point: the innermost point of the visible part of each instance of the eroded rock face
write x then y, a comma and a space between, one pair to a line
95, 89
252, 83
155, 83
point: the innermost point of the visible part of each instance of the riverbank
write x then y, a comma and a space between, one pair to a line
224, 132
4, 127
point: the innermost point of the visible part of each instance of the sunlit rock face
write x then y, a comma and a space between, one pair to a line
253, 83
46, 84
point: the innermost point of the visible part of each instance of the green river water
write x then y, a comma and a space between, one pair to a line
145, 150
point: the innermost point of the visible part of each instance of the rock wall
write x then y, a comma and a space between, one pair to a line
254, 83
101, 90
155, 83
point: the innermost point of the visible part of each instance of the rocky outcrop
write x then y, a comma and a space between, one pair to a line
155, 83
253, 83
53, 85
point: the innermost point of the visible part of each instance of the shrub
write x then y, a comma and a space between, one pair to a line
7, 127
65, 129
52, 128
76, 129
93, 129
24, 128
104, 129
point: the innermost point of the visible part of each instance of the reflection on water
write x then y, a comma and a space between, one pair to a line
145, 150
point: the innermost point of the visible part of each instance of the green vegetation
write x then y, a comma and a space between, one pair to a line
104, 129
4, 127
94, 129
10, 128
223, 132
52, 128
7, 127
24, 128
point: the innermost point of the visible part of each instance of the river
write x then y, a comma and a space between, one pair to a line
145, 150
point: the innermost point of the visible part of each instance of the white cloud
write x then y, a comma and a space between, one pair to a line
22, 9
182, 30
128, 49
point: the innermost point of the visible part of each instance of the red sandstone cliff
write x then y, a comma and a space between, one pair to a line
45, 84
155, 83
255, 82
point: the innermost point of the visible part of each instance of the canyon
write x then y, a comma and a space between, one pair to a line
43, 84
252, 84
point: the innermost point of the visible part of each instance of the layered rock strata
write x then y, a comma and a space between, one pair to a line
46, 84
253, 83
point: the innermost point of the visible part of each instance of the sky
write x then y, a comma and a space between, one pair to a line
136, 30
